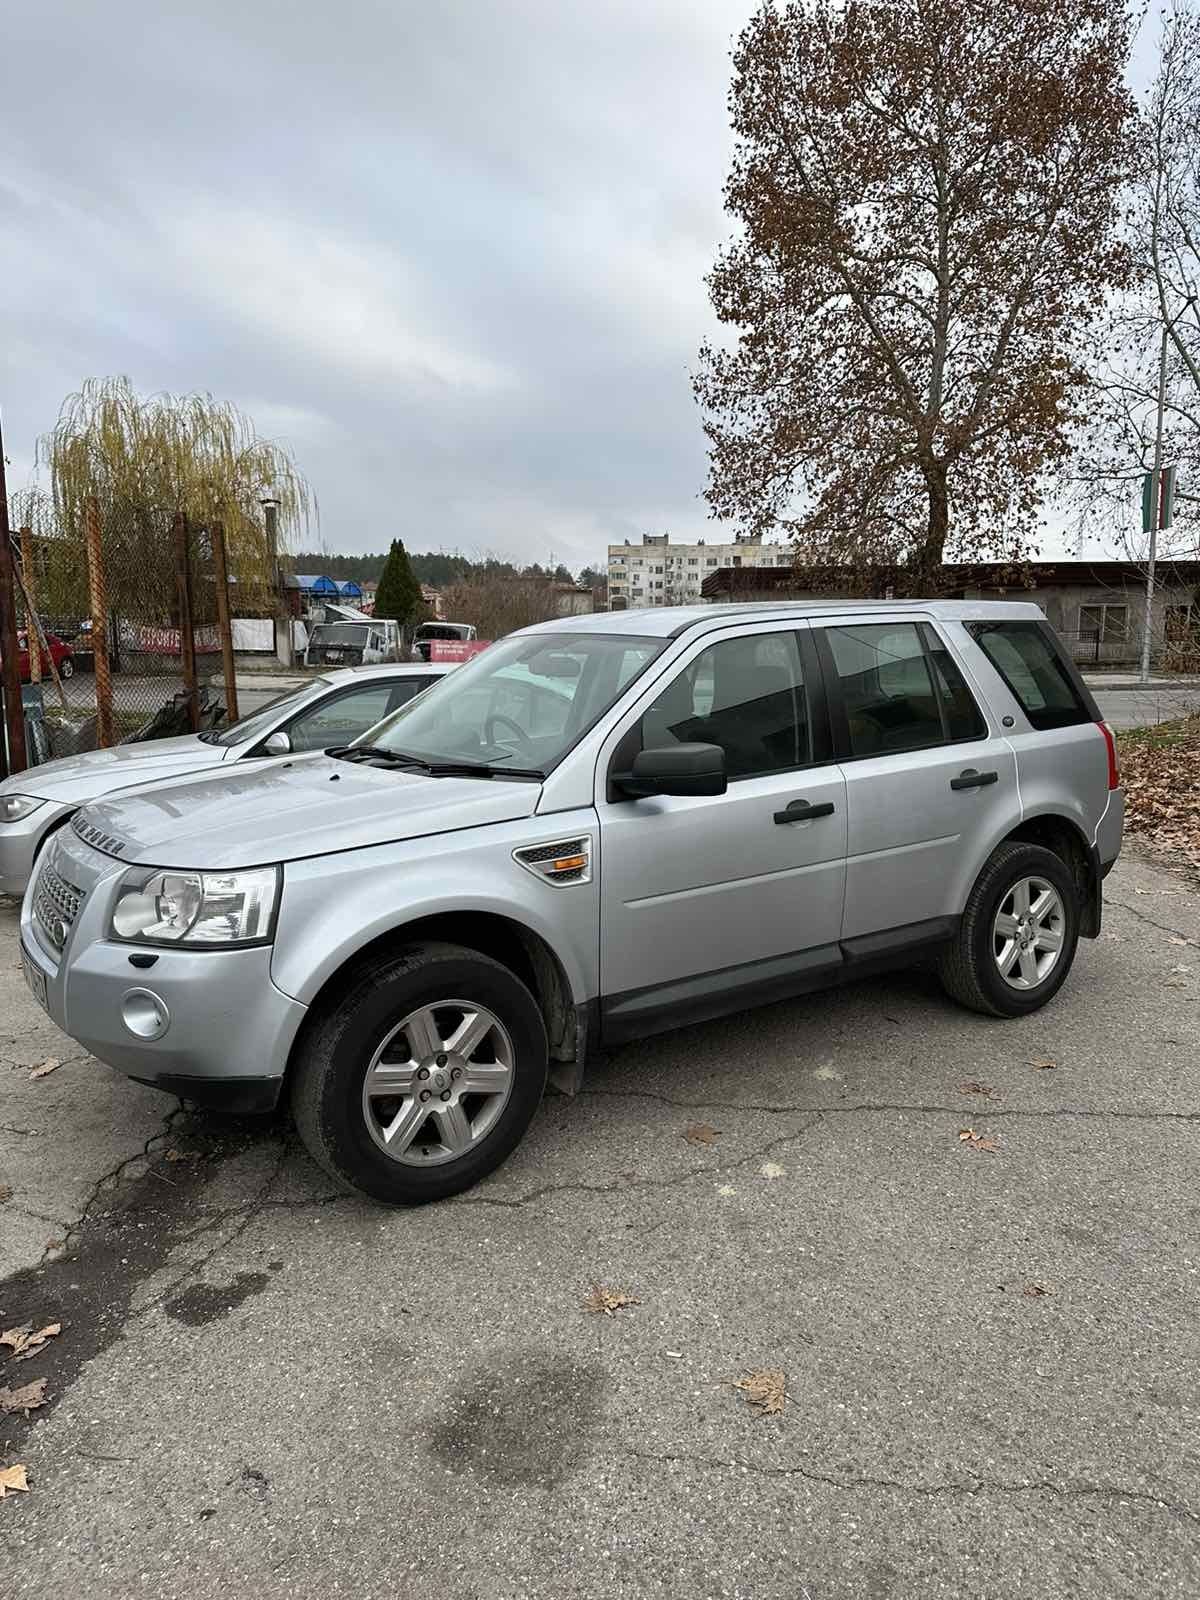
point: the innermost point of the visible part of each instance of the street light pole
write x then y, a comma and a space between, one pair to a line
1156, 486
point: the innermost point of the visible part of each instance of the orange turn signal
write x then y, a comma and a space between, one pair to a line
568, 864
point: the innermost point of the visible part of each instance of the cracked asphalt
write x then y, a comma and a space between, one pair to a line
263, 1387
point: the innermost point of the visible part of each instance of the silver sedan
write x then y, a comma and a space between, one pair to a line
333, 709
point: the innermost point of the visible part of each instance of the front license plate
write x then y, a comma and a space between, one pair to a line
36, 979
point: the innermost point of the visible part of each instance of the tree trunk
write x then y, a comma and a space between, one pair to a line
928, 557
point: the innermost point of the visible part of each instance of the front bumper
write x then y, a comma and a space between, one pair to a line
226, 1030
20, 842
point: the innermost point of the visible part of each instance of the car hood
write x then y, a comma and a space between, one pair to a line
249, 816
77, 779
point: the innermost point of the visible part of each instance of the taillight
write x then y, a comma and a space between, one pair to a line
1110, 744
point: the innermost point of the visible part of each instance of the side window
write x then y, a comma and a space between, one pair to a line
406, 689
964, 720
341, 718
748, 696
886, 688
1025, 656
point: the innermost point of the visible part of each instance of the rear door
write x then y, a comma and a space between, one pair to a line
709, 898
929, 783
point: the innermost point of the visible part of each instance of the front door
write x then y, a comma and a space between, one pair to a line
928, 784
706, 898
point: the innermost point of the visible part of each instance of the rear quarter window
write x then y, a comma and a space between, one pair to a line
1027, 657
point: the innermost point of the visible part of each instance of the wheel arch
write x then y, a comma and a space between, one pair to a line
526, 954
1060, 833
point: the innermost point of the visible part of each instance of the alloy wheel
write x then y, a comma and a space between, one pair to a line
1028, 932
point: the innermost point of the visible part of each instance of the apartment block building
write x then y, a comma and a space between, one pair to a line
660, 573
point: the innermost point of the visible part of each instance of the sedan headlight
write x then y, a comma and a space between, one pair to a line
16, 807
197, 908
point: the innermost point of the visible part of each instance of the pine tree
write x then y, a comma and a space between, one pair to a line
399, 594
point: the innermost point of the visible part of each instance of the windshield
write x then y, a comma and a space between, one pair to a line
441, 630
264, 719
522, 703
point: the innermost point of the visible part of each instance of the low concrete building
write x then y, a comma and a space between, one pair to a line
1097, 606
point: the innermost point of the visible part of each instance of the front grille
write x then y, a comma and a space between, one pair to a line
55, 905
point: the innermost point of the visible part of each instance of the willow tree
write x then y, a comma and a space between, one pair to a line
142, 461
928, 194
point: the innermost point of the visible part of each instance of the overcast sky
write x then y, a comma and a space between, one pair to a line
451, 253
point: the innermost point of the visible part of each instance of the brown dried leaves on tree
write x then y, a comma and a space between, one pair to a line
928, 198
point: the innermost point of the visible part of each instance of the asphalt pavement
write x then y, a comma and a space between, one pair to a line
265, 1387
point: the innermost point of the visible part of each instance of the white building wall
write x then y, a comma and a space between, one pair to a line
658, 572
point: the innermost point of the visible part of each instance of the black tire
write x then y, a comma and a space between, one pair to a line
328, 1074
968, 968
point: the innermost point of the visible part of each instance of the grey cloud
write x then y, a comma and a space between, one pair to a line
452, 253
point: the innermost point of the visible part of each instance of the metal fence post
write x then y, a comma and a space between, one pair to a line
187, 635
10, 665
95, 564
33, 630
225, 627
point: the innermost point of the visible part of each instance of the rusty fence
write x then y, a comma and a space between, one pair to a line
118, 630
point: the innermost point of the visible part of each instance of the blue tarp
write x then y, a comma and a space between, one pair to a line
349, 590
316, 585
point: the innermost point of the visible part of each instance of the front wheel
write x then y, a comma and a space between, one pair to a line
423, 1077
1016, 942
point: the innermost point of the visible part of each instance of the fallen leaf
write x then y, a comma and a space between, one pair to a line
607, 1301
12, 1480
1187, 942
27, 1398
726, 1191
701, 1133
6, 1192
772, 1169
977, 1141
51, 1064
1033, 1291
183, 1155
974, 1088
765, 1391
1043, 1063
24, 1342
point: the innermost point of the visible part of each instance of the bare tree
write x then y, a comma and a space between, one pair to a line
928, 193
498, 605
1164, 237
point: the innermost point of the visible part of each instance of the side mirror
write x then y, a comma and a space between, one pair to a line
683, 769
277, 744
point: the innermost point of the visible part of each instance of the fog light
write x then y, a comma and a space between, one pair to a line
144, 1014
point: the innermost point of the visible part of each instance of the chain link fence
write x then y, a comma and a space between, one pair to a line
123, 631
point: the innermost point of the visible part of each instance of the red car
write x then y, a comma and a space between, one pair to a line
63, 659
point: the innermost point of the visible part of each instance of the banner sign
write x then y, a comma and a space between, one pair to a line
447, 650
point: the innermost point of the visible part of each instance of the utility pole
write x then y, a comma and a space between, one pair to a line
10, 665
1156, 486
283, 620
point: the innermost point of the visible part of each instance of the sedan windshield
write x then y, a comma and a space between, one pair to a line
519, 706
264, 719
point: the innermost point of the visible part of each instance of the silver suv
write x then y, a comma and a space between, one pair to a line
601, 827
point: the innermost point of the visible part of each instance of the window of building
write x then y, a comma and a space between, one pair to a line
748, 696
693, 561
1107, 623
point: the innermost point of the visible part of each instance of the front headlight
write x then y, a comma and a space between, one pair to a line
197, 908
16, 807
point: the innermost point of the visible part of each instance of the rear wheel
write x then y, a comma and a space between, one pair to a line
423, 1077
66, 668
1018, 934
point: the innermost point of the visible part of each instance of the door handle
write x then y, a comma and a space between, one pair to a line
801, 811
974, 780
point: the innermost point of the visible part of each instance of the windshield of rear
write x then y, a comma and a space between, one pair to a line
522, 703
261, 722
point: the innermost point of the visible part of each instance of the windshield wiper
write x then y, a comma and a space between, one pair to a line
435, 769
376, 752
